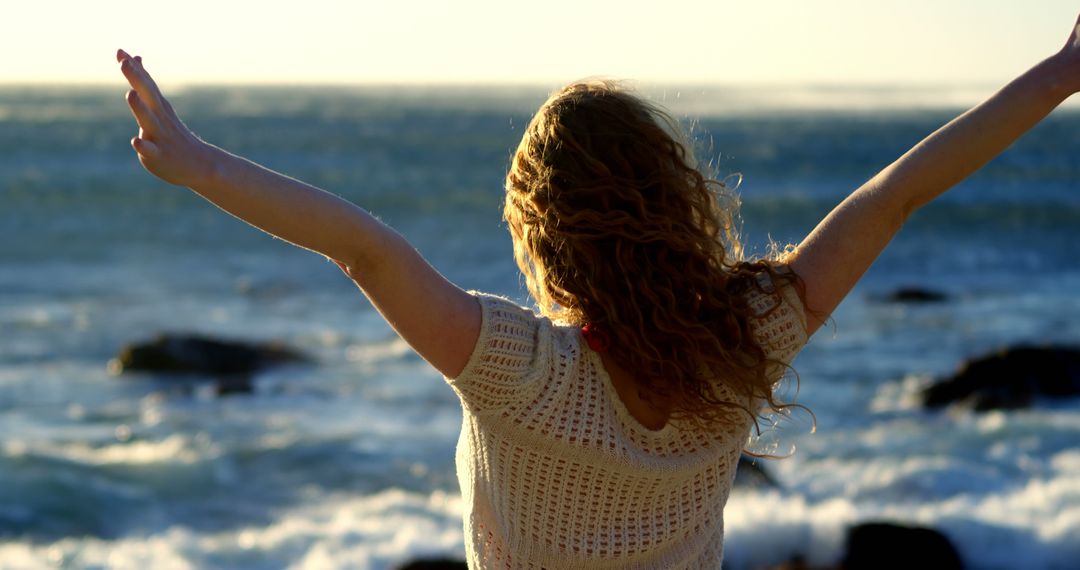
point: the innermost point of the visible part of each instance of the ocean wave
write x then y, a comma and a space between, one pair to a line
372, 532
1035, 526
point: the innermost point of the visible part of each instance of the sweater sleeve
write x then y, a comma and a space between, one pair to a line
509, 353
779, 321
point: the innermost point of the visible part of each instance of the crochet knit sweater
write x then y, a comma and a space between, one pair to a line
554, 471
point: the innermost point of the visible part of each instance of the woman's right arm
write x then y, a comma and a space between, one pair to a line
439, 320
841, 248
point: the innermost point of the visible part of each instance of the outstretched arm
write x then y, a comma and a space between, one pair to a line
841, 248
439, 320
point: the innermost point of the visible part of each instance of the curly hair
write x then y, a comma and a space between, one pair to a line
614, 225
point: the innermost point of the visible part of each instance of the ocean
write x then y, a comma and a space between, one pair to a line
348, 462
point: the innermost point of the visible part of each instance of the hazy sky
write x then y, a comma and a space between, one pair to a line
337, 41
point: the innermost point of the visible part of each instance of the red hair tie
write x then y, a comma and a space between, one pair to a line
597, 339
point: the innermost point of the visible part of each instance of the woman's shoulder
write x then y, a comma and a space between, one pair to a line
777, 315
502, 312
513, 351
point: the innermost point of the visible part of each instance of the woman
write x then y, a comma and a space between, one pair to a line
604, 434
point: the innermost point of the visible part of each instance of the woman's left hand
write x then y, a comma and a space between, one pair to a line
166, 147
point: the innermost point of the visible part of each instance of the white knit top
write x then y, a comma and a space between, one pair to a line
554, 471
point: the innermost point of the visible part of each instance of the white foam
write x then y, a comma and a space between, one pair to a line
370, 353
905, 395
1035, 526
366, 533
769, 528
392, 527
175, 448
1003, 486
160, 551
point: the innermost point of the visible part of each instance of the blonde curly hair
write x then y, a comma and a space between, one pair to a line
614, 225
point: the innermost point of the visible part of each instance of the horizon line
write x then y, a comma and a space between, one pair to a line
538, 83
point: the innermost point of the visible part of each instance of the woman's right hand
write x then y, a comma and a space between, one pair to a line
165, 146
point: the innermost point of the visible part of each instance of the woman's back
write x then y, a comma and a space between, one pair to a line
556, 472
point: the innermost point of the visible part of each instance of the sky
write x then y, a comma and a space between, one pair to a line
504, 41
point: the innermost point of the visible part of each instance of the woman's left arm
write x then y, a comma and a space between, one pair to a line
841, 248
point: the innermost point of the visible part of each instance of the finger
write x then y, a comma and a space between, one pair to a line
145, 148
146, 119
141, 82
127, 67
121, 55
147, 79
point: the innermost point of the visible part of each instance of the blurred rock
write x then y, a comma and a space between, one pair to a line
913, 295
1010, 378
797, 563
230, 363
434, 564
870, 546
888, 546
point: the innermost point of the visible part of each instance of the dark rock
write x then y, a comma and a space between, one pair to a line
797, 563
231, 363
914, 295
875, 545
885, 546
1010, 378
434, 564
750, 475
